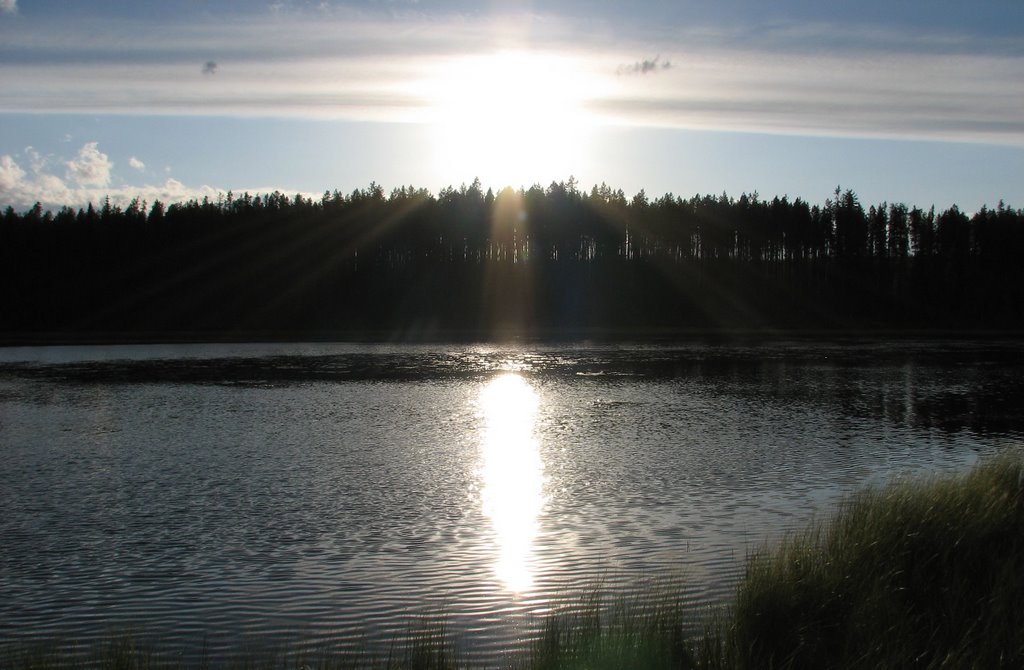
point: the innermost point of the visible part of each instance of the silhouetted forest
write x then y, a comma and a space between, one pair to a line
548, 262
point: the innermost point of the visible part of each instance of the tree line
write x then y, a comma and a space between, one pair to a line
541, 261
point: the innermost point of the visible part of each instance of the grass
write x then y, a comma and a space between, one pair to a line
427, 645
643, 629
118, 652
917, 574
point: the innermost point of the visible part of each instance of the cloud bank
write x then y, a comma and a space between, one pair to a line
812, 79
87, 179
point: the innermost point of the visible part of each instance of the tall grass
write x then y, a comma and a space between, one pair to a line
117, 652
926, 573
918, 574
644, 629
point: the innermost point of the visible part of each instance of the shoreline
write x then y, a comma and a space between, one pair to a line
538, 336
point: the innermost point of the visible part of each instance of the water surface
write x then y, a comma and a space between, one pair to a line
327, 495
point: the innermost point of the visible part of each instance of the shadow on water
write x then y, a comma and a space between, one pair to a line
923, 385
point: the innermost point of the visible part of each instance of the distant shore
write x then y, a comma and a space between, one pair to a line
544, 335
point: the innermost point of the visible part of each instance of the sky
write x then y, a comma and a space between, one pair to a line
913, 101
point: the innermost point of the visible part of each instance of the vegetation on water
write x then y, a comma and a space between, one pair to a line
918, 574
555, 261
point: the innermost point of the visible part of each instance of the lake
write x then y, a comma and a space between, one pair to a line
332, 495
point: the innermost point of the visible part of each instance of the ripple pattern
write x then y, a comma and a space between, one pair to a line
332, 496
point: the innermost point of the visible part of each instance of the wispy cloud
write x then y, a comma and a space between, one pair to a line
37, 162
645, 66
922, 96
357, 67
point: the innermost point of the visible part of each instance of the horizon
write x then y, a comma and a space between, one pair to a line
223, 199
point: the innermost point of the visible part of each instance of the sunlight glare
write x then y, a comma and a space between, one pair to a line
510, 118
513, 476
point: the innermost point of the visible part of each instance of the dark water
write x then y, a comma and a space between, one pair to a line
217, 496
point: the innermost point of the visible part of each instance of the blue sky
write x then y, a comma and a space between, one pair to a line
919, 102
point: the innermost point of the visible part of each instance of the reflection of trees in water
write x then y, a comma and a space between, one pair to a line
949, 393
533, 261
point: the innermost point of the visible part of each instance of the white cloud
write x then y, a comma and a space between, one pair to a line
37, 162
91, 168
19, 189
11, 174
9, 6
51, 190
136, 164
89, 176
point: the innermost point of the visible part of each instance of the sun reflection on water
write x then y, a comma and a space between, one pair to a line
513, 475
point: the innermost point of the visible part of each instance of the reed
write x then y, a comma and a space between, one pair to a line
921, 573
648, 628
118, 652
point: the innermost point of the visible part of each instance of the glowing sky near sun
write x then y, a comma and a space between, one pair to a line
916, 102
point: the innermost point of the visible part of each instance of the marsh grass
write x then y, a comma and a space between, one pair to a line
917, 574
921, 573
646, 628
428, 645
117, 652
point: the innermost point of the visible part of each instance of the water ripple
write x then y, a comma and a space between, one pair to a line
327, 495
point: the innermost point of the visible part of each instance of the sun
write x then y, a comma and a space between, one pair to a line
510, 118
